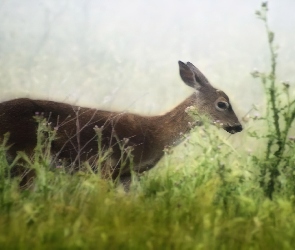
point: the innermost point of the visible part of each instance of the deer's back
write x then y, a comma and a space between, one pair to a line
76, 131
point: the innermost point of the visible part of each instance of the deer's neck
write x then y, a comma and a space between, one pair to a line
172, 126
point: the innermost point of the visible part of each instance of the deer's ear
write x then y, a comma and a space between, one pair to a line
187, 75
200, 78
192, 76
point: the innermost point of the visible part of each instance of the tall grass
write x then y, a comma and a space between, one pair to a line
204, 195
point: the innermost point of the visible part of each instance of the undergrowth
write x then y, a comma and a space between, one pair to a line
211, 196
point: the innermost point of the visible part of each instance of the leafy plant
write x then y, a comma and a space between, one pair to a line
279, 117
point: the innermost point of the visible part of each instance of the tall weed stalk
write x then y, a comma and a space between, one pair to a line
279, 117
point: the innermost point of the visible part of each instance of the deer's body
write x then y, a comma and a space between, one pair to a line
147, 136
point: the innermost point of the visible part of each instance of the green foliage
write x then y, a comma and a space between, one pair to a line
205, 194
277, 165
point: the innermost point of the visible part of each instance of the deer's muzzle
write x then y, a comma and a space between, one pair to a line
233, 129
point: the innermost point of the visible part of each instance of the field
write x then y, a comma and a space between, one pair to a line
213, 191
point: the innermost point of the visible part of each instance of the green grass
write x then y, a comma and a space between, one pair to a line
204, 195
171, 211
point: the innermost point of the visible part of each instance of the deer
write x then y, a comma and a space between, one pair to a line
133, 139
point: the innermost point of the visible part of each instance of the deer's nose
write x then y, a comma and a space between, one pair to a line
234, 129
237, 128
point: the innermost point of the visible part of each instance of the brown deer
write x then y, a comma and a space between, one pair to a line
133, 139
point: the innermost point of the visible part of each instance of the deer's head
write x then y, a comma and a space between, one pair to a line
210, 101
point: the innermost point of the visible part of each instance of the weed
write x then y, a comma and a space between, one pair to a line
279, 118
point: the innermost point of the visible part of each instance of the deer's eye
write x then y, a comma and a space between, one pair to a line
222, 106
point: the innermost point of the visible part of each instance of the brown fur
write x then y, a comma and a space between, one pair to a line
145, 136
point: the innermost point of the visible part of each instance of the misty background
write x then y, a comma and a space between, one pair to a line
122, 55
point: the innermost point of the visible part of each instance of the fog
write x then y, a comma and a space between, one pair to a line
123, 54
